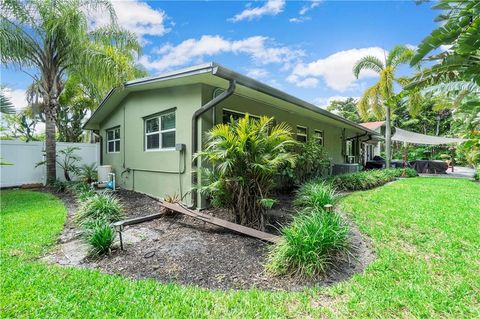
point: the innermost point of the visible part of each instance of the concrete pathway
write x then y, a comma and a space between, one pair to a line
458, 172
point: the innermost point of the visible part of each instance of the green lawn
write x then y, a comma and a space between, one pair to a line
425, 232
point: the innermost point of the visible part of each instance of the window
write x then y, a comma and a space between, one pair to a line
228, 115
113, 140
160, 132
301, 134
351, 151
319, 136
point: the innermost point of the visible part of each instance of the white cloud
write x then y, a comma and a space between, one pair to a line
17, 97
304, 83
299, 19
411, 46
257, 73
271, 7
336, 69
135, 16
312, 5
261, 49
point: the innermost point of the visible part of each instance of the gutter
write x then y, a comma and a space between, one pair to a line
204, 108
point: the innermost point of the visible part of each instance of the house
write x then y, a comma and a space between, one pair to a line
150, 128
370, 150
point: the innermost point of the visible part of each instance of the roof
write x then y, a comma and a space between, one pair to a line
373, 125
205, 73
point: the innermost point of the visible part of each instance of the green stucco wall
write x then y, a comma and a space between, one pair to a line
156, 172
134, 166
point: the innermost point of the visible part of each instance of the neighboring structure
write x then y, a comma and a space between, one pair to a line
151, 127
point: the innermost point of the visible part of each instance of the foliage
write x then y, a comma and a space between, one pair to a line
58, 186
21, 125
83, 191
100, 235
369, 179
68, 161
460, 22
309, 245
54, 38
346, 109
6, 106
101, 207
245, 156
88, 173
312, 161
315, 194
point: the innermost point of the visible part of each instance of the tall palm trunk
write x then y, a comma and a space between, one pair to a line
388, 137
50, 147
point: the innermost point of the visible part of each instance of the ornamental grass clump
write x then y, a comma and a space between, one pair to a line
309, 245
100, 235
315, 195
369, 179
101, 207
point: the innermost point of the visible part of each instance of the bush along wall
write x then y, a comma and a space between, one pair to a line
369, 179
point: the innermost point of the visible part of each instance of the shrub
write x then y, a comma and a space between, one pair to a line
309, 244
369, 179
245, 156
477, 173
58, 186
312, 162
88, 173
100, 235
102, 207
315, 195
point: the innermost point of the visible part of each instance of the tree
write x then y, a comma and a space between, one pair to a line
21, 125
6, 106
245, 156
381, 98
52, 37
347, 109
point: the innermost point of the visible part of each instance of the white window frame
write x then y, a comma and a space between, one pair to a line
113, 140
159, 132
241, 114
320, 138
302, 134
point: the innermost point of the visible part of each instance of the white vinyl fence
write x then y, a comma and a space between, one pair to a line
25, 156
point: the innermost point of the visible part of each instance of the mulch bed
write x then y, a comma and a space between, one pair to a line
180, 249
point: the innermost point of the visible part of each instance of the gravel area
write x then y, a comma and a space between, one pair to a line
180, 249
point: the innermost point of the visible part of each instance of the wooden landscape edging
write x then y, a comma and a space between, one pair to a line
222, 223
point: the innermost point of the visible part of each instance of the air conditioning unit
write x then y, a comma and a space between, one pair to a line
339, 169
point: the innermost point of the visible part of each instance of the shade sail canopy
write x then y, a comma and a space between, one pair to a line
417, 138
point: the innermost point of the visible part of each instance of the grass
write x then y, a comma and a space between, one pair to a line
364, 180
315, 195
308, 245
100, 207
424, 230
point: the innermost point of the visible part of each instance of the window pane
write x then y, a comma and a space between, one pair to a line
153, 141
168, 121
301, 130
111, 147
117, 134
301, 138
151, 125
109, 135
168, 140
117, 146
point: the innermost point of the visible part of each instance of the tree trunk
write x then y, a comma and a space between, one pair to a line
388, 138
50, 147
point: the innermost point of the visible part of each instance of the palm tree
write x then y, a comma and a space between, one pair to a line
6, 106
53, 38
380, 98
245, 156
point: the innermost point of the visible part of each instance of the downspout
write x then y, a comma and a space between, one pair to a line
204, 108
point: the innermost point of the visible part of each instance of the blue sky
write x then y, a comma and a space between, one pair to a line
306, 48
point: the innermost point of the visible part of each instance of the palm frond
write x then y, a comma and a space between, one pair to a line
368, 62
